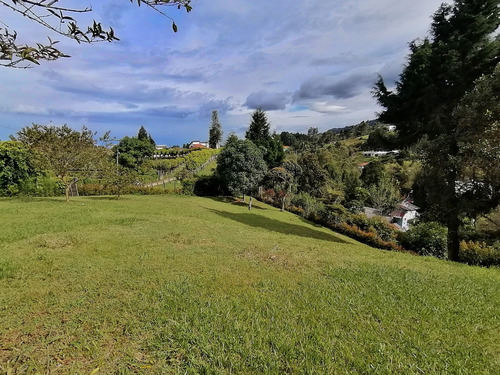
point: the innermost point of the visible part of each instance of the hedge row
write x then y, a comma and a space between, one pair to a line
371, 231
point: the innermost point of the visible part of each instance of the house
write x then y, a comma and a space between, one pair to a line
372, 153
391, 128
404, 214
160, 147
198, 144
363, 165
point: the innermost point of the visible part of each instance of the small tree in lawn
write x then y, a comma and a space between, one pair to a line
215, 131
241, 167
70, 154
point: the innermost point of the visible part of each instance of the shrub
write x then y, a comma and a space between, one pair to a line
208, 186
312, 207
98, 189
479, 253
428, 238
188, 186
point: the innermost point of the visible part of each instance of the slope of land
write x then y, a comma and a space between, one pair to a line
169, 284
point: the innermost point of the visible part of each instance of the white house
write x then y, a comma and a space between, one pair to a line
404, 215
380, 153
391, 128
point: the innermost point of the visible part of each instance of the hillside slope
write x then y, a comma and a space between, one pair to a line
168, 284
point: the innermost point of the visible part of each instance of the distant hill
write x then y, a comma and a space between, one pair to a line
358, 130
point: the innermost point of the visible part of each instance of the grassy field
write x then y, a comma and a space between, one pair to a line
172, 284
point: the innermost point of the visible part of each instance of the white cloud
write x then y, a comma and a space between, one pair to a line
225, 54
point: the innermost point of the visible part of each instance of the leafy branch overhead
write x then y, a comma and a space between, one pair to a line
62, 21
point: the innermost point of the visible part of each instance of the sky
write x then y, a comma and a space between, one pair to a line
306, 63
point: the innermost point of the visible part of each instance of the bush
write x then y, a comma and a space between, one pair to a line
479, 253
98, 189
188, 186
313, 209
208, 186
425, 239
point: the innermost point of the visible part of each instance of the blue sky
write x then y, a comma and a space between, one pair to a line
308, 63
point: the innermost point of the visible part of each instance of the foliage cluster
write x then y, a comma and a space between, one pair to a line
90, 189
63, 21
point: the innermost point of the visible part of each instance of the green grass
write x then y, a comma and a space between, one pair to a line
172, 284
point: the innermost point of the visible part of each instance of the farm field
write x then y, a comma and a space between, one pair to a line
174, 284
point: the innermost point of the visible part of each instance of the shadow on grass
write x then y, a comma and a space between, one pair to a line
105, 197
259, 221
237, 202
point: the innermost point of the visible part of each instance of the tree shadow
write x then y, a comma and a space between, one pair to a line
105, 197
237, 202
259, 221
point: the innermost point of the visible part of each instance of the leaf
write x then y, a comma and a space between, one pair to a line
174, 27
94, 371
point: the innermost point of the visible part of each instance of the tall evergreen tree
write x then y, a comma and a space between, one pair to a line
215, 131
462, 46
260, 127
259, 133
142, 134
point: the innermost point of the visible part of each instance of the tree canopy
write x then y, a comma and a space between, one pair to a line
259, 133
68, 153
241, 167
463, 45
215, 131
259, 128
16, 166
63, 21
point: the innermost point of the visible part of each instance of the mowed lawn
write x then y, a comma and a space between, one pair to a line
170, 284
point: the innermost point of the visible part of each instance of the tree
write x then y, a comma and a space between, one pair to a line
17, 166
477, 120
373, 173
131, 152
60, 20
259, 133
274, 153
384, 195
143, 135
241, 167
462, 46
259, 129
215, 131
70, 154
313, 178
281, 181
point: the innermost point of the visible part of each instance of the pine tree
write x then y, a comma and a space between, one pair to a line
260, 127
215, 131
142, 134
259, 133
461, 47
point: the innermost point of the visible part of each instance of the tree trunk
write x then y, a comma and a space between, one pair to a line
453, 240
243, 200
67, 192
453, 220
250, 203
283, 204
